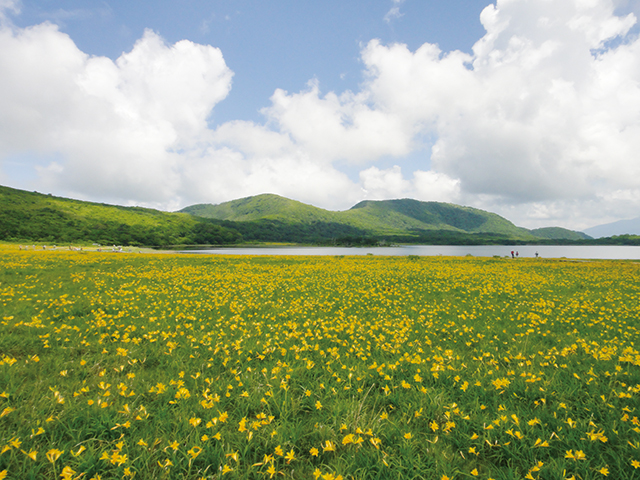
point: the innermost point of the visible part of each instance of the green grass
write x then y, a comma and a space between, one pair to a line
388, 217
170, 366
34, 217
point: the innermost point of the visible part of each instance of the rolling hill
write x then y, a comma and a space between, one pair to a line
32, 216
621, 227
35, 217
404, 220
559, 233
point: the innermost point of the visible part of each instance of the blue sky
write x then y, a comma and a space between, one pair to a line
268, 45
527, 108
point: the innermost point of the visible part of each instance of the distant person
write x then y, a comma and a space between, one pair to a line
536, 254
512, 254
517, 254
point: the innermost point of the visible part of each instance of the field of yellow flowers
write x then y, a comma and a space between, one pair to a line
119, 366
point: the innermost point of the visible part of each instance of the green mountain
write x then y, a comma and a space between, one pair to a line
559, 233
396, 220
260, 207
32, 216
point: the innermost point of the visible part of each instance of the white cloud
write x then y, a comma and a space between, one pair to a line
346, 127
433, 186
381, 184
119, 126
8, 5
543, 113
541, 123
394, 11
425, 185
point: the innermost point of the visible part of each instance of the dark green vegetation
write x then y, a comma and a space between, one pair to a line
552, 233
27, 216
273, 218
34, 217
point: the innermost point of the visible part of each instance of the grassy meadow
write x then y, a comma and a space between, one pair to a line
119, 366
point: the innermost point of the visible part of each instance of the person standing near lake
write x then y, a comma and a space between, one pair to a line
512, 254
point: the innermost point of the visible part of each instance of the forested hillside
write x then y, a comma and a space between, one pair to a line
35, 217
32, 216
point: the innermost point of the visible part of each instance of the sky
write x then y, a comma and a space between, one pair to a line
526, 108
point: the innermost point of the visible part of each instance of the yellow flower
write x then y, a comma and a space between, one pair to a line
408, 435
194, 452
32, 454
3, 474
635, 463
7, 411
290, 456
579, 455
67, 473
314, 452
318, 405
54, 454
474, 472
329, 446
279, 451
540, 443
604, 471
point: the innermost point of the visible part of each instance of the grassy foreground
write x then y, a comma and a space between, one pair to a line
117, 366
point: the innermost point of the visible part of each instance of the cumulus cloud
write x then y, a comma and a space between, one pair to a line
539, 123
135, 130
543, 113
388, 183
118, 126
346, 127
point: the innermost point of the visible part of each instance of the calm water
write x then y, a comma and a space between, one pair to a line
545, 251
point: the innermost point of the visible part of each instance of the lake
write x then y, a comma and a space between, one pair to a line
524, 251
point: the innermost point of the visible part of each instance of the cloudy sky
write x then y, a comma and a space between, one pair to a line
527, 108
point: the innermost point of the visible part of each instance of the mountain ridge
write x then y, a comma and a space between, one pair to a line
395, 217
621, 227
32, 216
